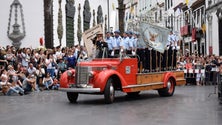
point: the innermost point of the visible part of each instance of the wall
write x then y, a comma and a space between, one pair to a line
93, 5
215, 37
34, 25
34, 19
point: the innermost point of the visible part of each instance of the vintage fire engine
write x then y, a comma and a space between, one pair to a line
105, 76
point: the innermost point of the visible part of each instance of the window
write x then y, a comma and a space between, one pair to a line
155, 16
168, 3
160, 15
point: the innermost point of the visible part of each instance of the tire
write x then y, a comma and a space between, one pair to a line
133, 94
72, 97
109, 92
169, 90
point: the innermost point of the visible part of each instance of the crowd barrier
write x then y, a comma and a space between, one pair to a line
204, 76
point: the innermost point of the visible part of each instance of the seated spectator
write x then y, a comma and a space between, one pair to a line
56, 84
62, 67
10, 57
12, 73
40, 73
3, 61
8, 88
47, 81
31, 69
29, 84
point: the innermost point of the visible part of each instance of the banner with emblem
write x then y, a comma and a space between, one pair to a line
154, 36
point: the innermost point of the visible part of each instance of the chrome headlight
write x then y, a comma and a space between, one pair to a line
91, 74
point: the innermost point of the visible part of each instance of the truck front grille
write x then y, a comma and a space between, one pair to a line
82, 76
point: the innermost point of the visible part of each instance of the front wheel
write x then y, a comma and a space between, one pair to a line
169, 90
72, 96
109, 92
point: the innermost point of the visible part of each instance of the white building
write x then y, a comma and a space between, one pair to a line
33, 11
214, 26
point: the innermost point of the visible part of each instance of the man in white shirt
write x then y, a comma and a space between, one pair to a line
110, 43
31, 69
117, 39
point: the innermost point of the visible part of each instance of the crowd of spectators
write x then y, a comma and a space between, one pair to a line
203, 68
25, 70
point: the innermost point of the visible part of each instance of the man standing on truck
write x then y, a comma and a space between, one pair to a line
101, 47
171, 51
109, 41
130, 42
124, 45
116, 42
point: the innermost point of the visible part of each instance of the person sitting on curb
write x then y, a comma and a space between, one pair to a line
47, 81
29, 84
8, 88
56, 84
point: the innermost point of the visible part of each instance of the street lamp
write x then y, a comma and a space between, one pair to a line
16, 36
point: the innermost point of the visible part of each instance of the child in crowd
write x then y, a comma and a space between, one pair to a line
56, 84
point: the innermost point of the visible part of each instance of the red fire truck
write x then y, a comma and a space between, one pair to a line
107, 75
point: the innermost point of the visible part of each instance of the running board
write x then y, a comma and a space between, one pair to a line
142, 85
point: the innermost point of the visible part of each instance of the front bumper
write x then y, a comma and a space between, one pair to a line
81, 90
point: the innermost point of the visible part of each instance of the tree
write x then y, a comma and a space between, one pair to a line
121, 9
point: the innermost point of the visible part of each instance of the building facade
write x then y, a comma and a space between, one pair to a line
38, 13
214, 26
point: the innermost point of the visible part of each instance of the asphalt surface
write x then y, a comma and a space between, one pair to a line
190, 105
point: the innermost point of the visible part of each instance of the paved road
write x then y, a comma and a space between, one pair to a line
190, 105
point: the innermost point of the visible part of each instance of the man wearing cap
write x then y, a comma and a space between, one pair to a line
135, 41
124, 45
116, 42
170, 47
130, 43
101, 47
109, 41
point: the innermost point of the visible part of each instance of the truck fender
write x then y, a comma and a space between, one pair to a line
168, 75
103, 76
65, 80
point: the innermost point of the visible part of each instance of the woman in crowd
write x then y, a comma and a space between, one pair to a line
50, 63
47, 81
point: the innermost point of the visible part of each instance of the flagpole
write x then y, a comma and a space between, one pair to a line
108, 16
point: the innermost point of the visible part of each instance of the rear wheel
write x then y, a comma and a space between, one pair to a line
72, 96
109, 92
169, 90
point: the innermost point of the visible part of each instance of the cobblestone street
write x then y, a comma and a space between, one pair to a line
190, 105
